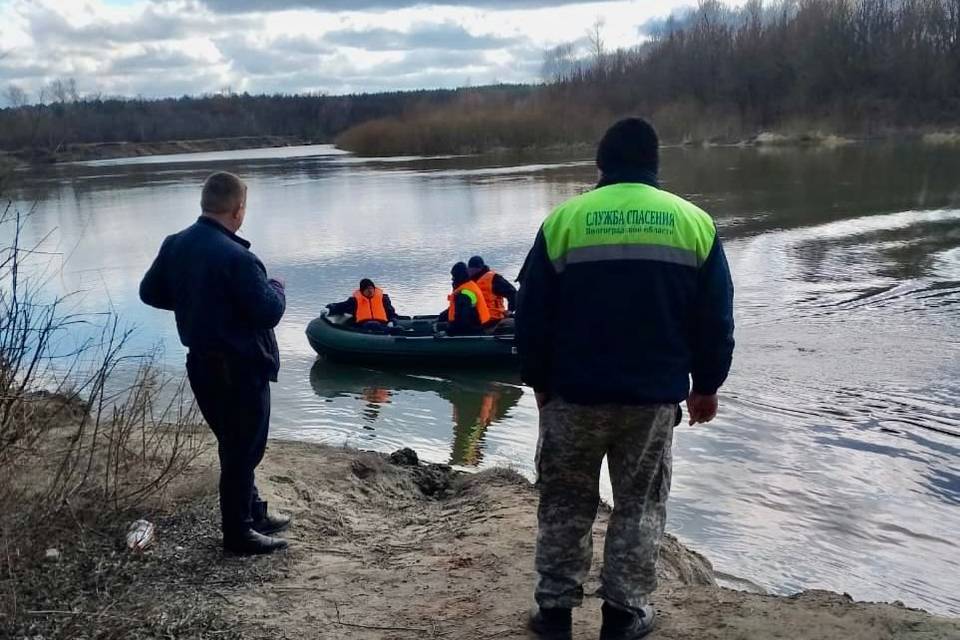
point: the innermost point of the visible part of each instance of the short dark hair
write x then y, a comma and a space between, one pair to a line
631, 143
367, 282
476, 262
222, 193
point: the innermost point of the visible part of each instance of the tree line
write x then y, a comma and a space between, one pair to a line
715, 72
854, 64
59, 116
721, 73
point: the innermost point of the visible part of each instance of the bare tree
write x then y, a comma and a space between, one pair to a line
558, 62
16, 97
595, 38
63, 91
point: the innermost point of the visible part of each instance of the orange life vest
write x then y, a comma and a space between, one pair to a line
476, 296
488, 409
375, 395
498, 310
369, 308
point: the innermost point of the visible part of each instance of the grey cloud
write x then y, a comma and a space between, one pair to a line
300, 45
172, 21
13, 68
245, 6
152, 59
252, 58
420, 61
435, 55
447, 35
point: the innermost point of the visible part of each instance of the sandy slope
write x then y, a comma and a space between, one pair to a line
382, 550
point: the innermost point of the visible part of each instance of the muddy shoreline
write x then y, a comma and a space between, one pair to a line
383, 547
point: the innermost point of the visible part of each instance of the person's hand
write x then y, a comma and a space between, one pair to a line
543, 397
702, 408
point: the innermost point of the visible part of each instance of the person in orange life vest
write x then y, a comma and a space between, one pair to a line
499, 294
370, 307
467, 311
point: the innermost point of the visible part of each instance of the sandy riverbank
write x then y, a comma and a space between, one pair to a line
112, 150
383, 549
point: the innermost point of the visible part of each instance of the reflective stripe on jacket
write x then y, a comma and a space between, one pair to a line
624, 297
472, 291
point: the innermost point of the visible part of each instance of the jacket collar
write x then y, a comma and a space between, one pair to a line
230, 234
643, 176
484, 271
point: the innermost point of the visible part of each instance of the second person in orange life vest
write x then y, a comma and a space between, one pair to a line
467, 311
497, 291
370, 307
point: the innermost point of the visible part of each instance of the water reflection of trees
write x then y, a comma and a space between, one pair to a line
478, 400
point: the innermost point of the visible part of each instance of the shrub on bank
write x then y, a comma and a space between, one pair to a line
91, 436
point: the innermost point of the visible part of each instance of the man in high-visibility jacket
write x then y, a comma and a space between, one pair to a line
500, 295
467, 311
625, 295
370, 307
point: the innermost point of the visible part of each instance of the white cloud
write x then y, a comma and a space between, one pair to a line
156, 48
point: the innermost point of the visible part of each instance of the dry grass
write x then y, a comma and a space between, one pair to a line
91, 437
476, 124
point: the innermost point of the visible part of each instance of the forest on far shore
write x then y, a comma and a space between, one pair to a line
858, 68
714, 73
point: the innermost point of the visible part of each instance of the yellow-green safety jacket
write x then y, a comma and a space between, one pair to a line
624, 296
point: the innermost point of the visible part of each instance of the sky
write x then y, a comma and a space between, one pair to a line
158, 48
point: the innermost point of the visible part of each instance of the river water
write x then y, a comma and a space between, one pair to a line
834, 461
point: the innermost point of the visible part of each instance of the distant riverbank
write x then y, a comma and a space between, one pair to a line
454, 133
111, 150
396, 137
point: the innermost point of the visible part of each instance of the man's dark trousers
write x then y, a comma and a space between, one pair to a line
234, 399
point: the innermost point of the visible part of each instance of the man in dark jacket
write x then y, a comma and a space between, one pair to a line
625, 295
226, 309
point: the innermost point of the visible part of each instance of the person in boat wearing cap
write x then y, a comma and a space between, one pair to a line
467, 312
369, 305
501, 296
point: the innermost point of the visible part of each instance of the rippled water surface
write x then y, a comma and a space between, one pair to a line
834, 462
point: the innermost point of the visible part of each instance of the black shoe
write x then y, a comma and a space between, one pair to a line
619, 624
268, 525
250, 542
551, 624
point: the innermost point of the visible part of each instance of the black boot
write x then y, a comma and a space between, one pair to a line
552, 624
265, 523
620, 624
271, 524
250, 542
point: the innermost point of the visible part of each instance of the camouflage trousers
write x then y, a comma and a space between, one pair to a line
573, 441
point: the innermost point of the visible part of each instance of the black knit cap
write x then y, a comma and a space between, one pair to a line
629, 145
366, 282
476, 262
460, 273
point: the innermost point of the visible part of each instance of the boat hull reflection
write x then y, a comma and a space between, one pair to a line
478, 400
